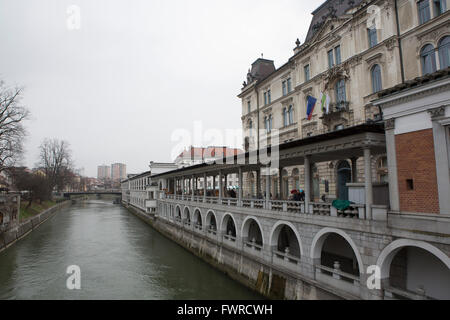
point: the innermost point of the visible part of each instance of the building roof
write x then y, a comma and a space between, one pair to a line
369, 127
330, 8
416, 82
202, 153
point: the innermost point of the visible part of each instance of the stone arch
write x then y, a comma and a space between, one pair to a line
178, 211
388, 254
211, 220
225, 224
275, 232
197, 217
187, 214
321, 236
246, 228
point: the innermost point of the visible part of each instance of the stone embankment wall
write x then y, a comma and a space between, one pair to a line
270, 282
9, 237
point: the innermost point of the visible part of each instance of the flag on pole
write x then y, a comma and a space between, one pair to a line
325, 102
311, 103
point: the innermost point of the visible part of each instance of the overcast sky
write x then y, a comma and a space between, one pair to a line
136, 72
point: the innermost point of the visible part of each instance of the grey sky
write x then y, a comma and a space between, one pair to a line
137, 70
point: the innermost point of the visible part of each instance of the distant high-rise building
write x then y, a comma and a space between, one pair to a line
103, 172
118, 171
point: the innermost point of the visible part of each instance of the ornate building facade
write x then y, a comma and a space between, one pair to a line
353, 50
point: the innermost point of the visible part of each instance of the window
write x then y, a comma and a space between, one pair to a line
291, 115
284, 88
265, 98
428, 59
289, 85
285, 117
424, 11
382, 170
269, 98
330, 59
409, 184
337, 53
307, 75
439, 7
268, 123
338, 127
249, 107
340, 92
376, 78
372, 34
250, 127
444, 52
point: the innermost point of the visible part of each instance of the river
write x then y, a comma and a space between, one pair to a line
119, 256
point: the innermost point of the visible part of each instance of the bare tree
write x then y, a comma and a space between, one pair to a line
56, 162
12, 131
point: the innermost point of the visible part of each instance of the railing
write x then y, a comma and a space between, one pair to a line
286, 256
229, 238
253, 245
212, 230
321, 208
354, 211
391, 293
198, 226
338, 274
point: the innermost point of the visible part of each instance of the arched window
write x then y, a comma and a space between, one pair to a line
428, 59
285, 117
291, 114
444, 52
376, 78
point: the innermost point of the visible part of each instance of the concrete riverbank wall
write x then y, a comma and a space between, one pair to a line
270, 281
8, 238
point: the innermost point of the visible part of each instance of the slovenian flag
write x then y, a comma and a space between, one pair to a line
325, 102
311, 103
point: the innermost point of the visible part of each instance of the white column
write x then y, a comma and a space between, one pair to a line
241, 185
193, 187
368, 183
394, 200
204, 187
220, 185
267, 186
280, 183
307, 167
258, 182
226, 184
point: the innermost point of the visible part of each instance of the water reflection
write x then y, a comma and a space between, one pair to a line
120, 258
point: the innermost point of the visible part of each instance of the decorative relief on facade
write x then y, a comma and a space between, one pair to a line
389, 124
437, 112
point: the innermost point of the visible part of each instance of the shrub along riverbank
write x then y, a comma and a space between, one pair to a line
34, 209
